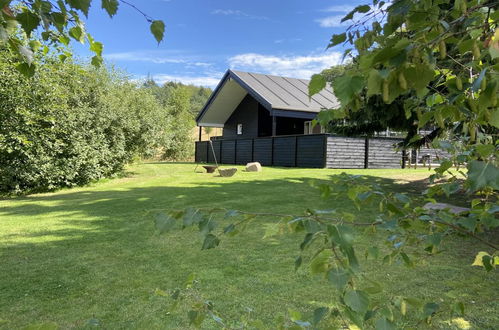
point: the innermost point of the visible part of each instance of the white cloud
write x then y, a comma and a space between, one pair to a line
207, 80
335, 20
290, 66
237, 13
332, 21
145, 56
339, 9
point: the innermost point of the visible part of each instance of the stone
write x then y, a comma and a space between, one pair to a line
253, 167
443, 206
227, 172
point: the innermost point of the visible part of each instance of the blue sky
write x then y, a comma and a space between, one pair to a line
204, 38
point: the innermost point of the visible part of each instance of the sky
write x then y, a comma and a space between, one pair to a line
204, 38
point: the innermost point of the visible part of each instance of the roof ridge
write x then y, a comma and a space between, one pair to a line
268, 75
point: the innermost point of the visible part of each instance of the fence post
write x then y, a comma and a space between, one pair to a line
235, 151
272, 152
366, 153
252, 150
220, 154
296, 151
207, 152
324, 153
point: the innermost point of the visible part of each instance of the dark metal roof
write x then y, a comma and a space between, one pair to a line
287, 93
277, 94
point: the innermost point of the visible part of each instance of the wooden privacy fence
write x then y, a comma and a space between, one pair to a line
313, 151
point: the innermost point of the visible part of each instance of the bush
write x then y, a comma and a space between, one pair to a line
70, 125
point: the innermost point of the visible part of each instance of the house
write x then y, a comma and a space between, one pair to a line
268, 119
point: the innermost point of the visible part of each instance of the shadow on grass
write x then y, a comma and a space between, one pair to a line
99, 249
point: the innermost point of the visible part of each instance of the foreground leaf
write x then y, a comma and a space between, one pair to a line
357, 300
158, 30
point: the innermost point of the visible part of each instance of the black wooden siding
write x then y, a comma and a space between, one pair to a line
244, 151
345, 152
311, 151
216, 147
315, 150
262, 151
228, 152
284, 151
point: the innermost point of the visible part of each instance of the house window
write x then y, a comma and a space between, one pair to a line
239, 129
307, 127
311, 129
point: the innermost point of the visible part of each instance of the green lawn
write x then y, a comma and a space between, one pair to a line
92, 252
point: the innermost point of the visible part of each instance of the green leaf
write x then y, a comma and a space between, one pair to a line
26, 69
316, 84
210, 241
164, 222
298, 262
406, 259
319, 314
83, 5
28, 20
337, 39
97, 61
494, 118
385, 324
485, 150
158, 30
357, 300
207, 225
195, 318
375, 287
338, 277
294, 315
346, 87
476, 84
482, 174
419, 76
77, 34
374, 82
96, 47
430, 308
320, 263
191, 217
111, 6
229, 229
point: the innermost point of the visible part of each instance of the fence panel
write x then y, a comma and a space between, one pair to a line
201, 154
345, 152
244, 151
228, 152
262, 151
310, 151
382, 153
284, 153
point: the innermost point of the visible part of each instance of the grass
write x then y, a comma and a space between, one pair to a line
92, 252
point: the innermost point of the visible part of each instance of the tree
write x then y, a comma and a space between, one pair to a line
437, 61
180, 145
60, 21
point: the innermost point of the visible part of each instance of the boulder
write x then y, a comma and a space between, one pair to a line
443, 206
253, 167
226, 172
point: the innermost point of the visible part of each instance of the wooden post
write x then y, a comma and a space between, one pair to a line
274, 125
200, 133
252, 150
366, 154
296, 150
272, 152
